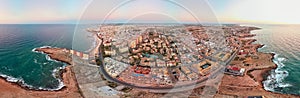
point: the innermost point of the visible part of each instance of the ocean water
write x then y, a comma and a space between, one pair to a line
35, 70
284, 41
18, 63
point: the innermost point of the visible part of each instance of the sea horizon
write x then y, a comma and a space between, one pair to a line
18, 40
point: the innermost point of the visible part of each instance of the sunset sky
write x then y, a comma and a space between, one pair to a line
95, 11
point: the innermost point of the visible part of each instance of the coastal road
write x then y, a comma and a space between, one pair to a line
160, 89
190, 86
164, 89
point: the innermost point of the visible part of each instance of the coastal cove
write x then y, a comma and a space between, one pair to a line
283, 41
258, 71
33, 59
19, 63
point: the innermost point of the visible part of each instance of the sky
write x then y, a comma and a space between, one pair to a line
189, 11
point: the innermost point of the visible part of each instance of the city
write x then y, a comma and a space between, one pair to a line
168, 56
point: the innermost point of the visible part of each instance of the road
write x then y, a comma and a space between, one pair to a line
163, 89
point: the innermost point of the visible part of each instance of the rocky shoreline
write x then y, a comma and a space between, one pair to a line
231, 86
58, 54
251, 84
70, 89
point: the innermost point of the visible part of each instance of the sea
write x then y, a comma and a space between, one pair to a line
284, 42
18, 63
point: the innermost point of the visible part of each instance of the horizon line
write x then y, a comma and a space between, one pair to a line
147, 23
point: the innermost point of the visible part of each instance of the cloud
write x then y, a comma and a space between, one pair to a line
263, 11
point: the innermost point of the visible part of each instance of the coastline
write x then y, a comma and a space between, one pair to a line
55, 54
9, 89
251, 84
14, 89
70, 87
250, 89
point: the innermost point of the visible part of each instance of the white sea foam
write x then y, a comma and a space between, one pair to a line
47, 56
35, 61
61, 84
285, 85
21, 81
276, 77
33, 50
49, 59
94, 41
264, 46
40, 63
10, 78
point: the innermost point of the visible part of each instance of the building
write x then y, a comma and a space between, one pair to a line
222, 56
171, 63
140, 39
79, 54
132, 44
204, 67
192, 76
107, 44
85, 56
231, 70
113, 67
124, 49
185, 69
72, 52
182, 77
160, 63
113, 52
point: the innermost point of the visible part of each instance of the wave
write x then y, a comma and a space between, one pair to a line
10, 78
263, 47
61, 83
22, 83
94, 44
54, 72
47, 56
276, 77
34, 49
36, 61
49, 59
